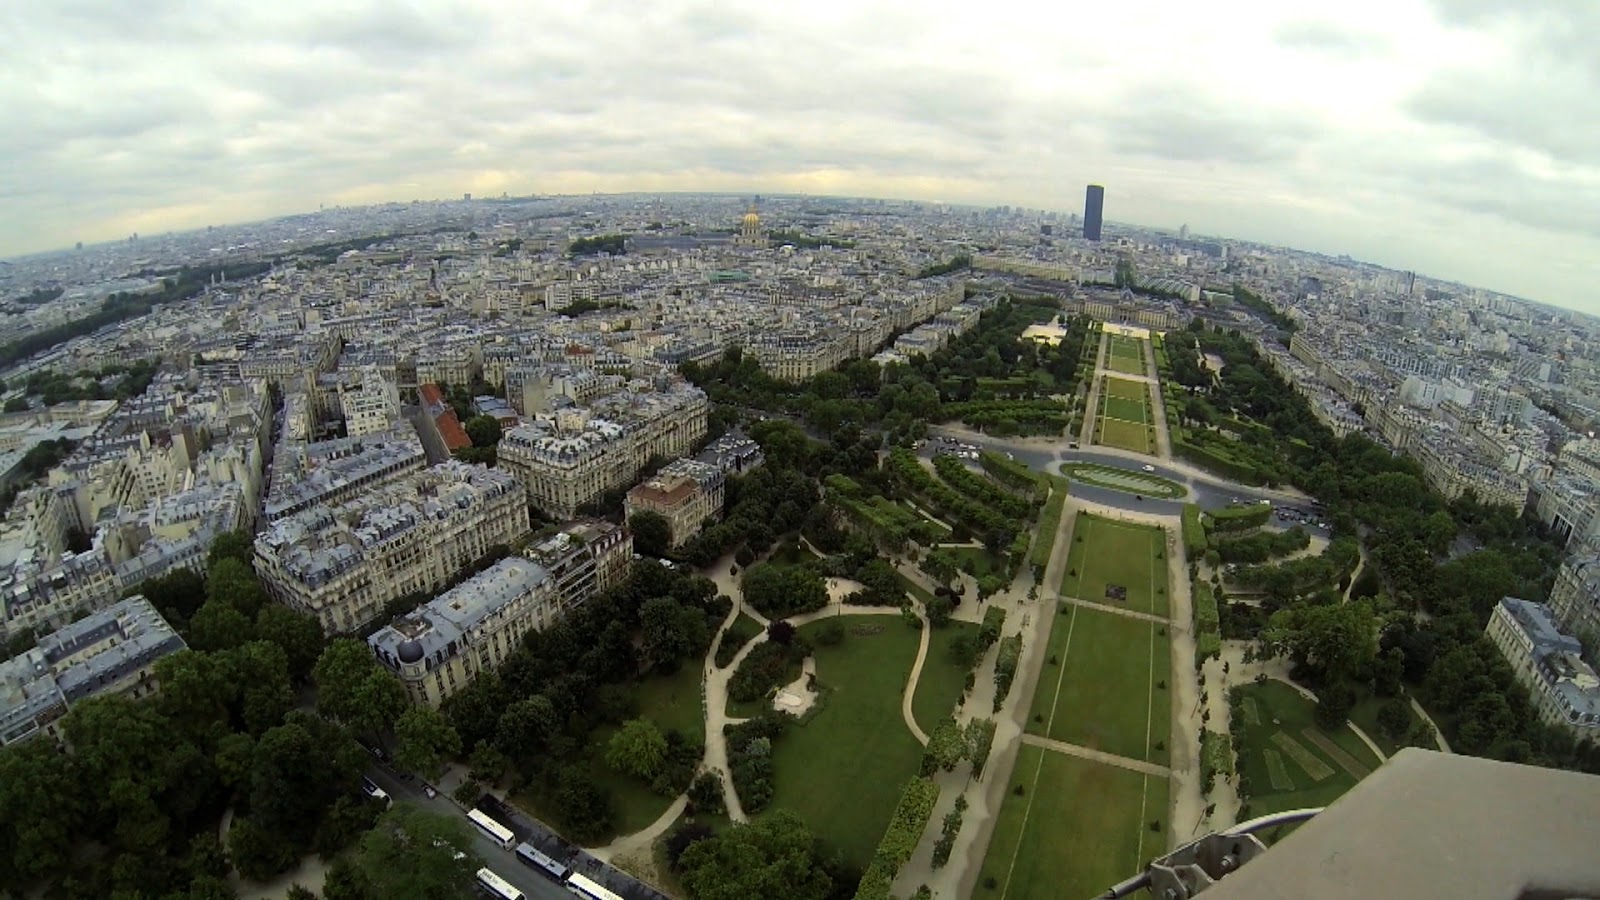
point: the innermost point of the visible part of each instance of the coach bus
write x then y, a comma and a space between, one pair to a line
492, 829
585, 887
531, 856
498, 887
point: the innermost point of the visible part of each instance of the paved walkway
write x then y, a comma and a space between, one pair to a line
1116, 610
1157, 394
1438, 736
1110, 759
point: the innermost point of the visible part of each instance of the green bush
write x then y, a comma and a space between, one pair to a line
900, 839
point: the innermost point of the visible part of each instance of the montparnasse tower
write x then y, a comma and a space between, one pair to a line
750, 233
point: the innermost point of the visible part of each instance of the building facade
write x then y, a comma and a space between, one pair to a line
1094, 204
467, 630
1549, 663
685, 492
341, 563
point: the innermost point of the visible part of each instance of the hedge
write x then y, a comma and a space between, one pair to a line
900, 839
1217, 464
1005, 668
982, 490
1241, 517
1194, 533
994, 619
1011, 473
1216, 757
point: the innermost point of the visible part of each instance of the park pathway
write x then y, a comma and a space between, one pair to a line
1115, 610
1099, 756
1158, 397
1438, 736
1091, 403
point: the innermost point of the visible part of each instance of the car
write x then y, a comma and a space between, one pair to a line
429, 791
1148, 468
1266, 502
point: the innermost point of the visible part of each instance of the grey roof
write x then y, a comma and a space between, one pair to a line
1537, 622
79, 660
438, 626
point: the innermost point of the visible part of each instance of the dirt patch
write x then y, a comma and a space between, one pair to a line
1337, 754
1305, 759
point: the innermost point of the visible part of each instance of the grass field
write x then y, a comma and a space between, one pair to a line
1283, 756
942, 678
1107, 552
1365, 714
977, 561
1125, 415
1101, 690
1124, 480
1125, 355
842, 771
1078, 828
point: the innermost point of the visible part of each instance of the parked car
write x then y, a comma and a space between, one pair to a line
1148, 468
372, 790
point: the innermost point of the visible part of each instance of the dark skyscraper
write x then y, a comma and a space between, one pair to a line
1093, 205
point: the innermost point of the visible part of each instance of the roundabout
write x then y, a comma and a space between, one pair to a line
1124, 480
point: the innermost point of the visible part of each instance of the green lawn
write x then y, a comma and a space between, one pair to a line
1126, 355
1107, 552
977, 561
1126, 389
1126, 410
1124, 435
942, 678
1276, 708
1101, 690
674, 702
842, 771
1124, 480
738, 634
1078, 828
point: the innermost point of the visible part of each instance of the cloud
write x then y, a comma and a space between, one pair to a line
1329, 38
1242, 118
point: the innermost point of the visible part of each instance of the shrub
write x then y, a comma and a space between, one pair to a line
899, 839
830, 633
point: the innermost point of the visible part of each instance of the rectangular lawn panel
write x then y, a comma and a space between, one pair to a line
942, 678
1101, 692
1078, 828
842, 771
1126, 410
1124, 435
1121, 554
1264, 736
1127, 389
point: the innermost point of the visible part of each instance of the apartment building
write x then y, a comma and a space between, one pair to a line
467, 630
342, 562
685, 493
1564, 689
109, 652
371, 406
305, 476
571, 458
584, 558
1575, 596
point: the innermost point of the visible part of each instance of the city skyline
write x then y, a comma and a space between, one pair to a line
1343, 133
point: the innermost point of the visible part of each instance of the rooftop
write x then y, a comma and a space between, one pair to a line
434, 630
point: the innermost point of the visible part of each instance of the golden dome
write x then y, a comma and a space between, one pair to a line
751, 218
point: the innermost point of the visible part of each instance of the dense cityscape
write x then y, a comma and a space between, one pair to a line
718, 546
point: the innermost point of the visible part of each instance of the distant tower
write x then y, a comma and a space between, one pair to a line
1183, 232
750, 234
1093, 207
466, 198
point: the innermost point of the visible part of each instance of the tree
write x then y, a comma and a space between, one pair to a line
652, 533
581, 805
234, 545
939, 610
44, 802
424, 739
259, 853
1338, 641
262, 670
234, 583
353, 689
483, 430
218, 626
638, 749
1395, 719
299, 635
777, 591
672, 632
411, 855
772, 857
528, 727
177, 594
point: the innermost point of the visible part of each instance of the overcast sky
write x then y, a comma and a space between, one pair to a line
1459, 138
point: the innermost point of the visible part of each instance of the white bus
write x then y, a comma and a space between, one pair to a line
492, 829
586, 887
497, 886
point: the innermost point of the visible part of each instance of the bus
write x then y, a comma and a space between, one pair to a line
531, 856
586, 887
495, 886
492, 829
